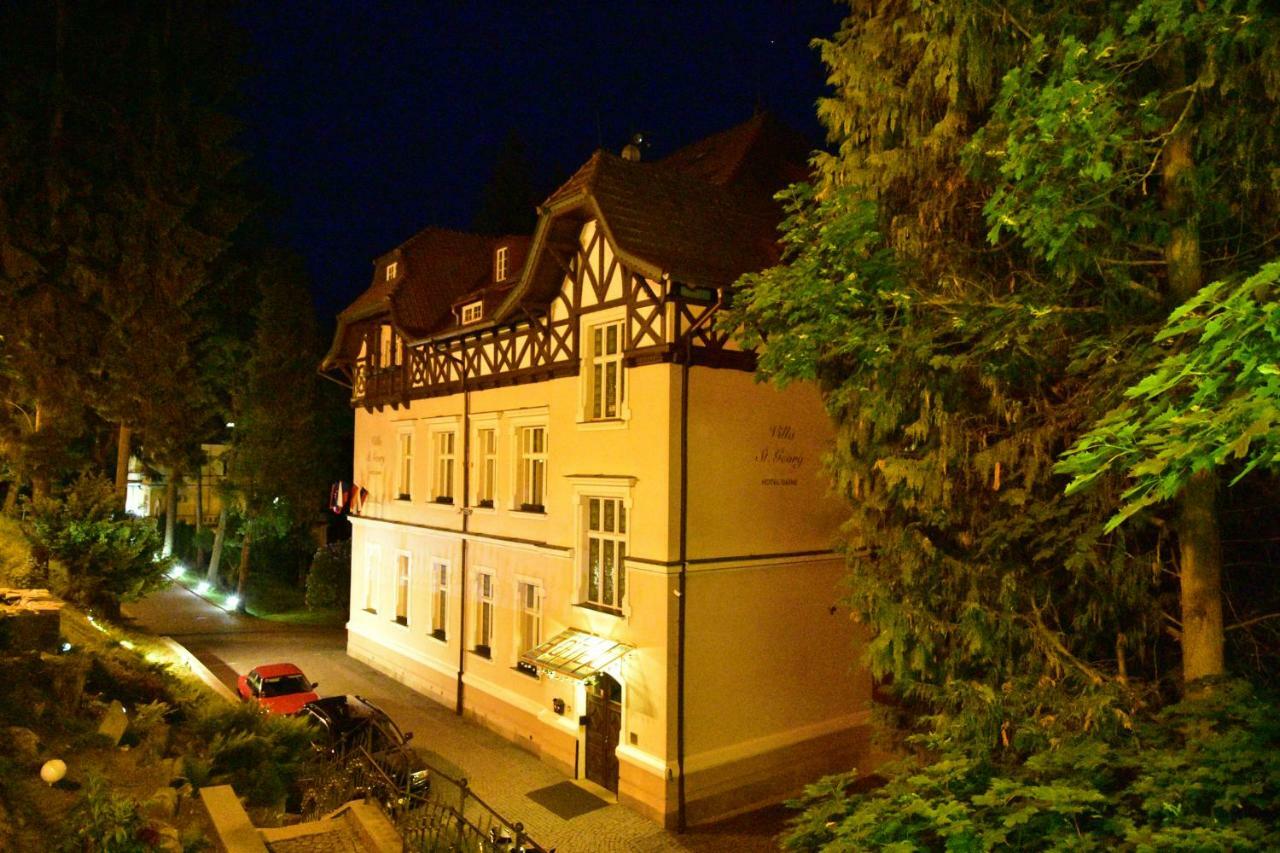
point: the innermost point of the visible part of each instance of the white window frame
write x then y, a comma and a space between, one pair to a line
482, 643
486, 463
472, 312
404, 587
531, 469
436, 427
440, 599
603, 364
521, 643
589, 361
392, 269
500, 263
614, 488
372, 568
404, 463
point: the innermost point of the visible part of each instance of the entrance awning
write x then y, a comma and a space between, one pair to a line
575, 654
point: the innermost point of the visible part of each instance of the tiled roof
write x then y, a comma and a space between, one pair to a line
761, 154
674, 222
436, 266
703, 215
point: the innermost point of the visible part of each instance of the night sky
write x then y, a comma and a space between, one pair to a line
369, 122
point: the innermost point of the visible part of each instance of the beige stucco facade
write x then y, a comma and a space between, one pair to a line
772, 696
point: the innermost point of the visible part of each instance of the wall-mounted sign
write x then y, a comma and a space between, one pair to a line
778, 459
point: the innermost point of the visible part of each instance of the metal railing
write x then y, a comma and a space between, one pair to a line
447, 816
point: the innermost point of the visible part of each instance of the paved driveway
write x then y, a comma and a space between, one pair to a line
500, 772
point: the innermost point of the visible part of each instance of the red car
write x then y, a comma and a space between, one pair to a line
280, 688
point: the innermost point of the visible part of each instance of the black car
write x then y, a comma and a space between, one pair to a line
351, 722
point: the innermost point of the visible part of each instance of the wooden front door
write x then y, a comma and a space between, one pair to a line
604, 723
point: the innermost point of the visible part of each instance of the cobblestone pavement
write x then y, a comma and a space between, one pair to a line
497, 770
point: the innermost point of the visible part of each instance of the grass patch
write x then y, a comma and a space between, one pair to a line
272, 598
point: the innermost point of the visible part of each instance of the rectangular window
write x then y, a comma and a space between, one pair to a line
606, 550
529, 625
606, 371
372, 557
500, 264
531, 490
472, 312
406, 465
439, 599
385, 341
484, 614
402, 589
392, 269
444, 464
487, 457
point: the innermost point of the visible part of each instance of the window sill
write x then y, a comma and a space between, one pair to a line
603, 423
371, 611
484, 510
486, 654
441, 501
600, 608
527, 671
403, 498
439, 636
528, 513
401, 620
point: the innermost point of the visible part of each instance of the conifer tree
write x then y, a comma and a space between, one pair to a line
1019, 195
275, 472
973, 280
119, 197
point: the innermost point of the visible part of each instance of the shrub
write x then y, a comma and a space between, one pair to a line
1203, 774
258, 754
109, 556
118, 674
329, 581
107, 823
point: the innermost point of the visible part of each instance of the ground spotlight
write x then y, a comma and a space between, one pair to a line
233, 602
203, 587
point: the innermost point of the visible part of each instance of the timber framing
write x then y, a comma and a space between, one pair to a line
545, 342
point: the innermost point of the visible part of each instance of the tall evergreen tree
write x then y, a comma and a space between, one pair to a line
119, 198
507, 203
275, 471
1019, 195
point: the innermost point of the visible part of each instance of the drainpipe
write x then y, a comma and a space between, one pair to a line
682, 588
465, 509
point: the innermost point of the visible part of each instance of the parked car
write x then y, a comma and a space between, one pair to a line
280, 688
350, 722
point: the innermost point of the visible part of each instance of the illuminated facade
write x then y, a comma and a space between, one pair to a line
145, 493
587, 526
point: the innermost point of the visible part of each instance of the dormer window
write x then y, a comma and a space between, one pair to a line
392, 268
500, 264
472, 312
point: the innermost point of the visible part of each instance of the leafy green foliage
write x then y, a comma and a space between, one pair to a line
1214, 399
108, 556
973, 279
329, 580
1203, 774
259, 754
106, 822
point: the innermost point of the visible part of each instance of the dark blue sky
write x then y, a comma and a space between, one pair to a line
371, 121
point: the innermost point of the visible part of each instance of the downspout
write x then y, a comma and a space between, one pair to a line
682, 587
465, 509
